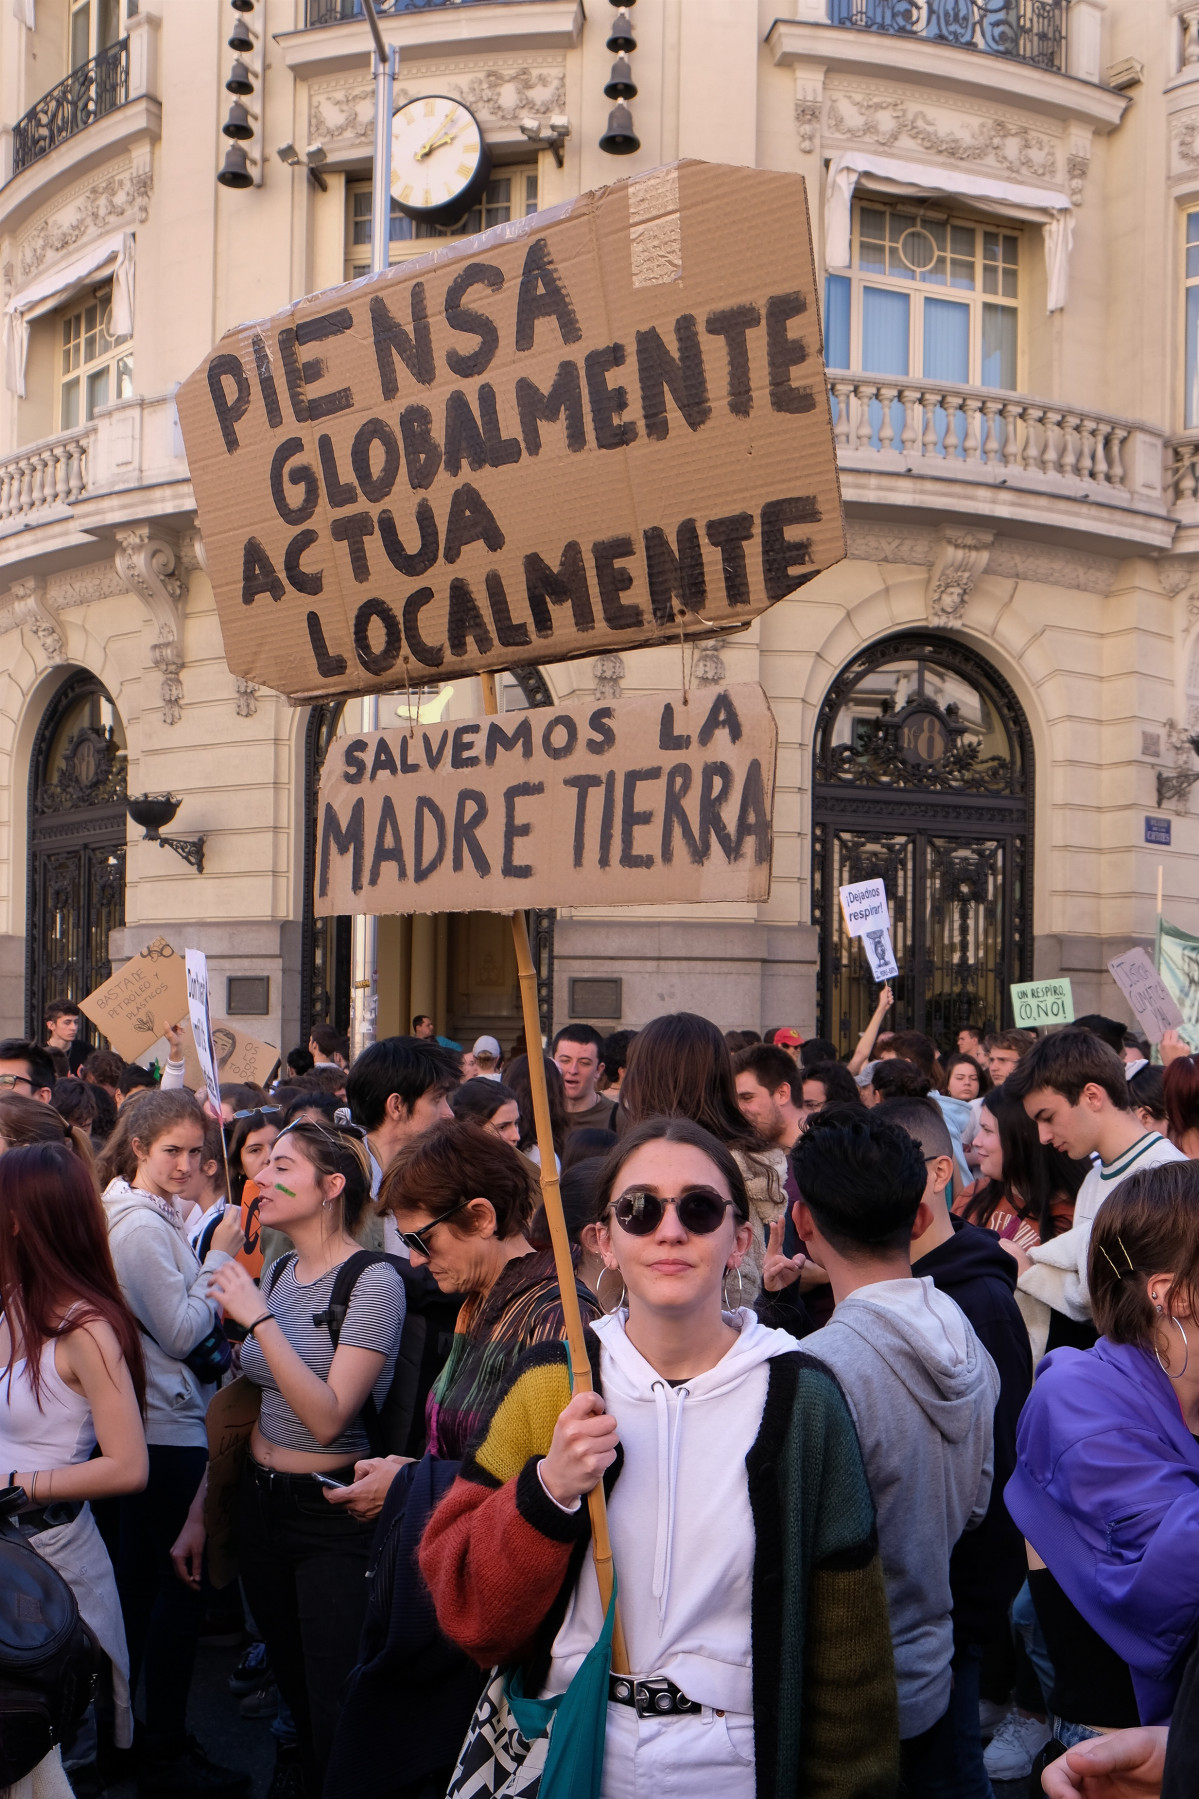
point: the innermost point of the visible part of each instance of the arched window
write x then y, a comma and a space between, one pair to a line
923, 774
77, 828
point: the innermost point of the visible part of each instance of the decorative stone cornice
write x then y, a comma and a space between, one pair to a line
961, 560
608, 673
29, 608
894, 117
1013, 558
146, 562
341, 109
102, 203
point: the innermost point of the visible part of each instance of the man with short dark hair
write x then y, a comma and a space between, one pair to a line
921, 1389
970, 1043
1075, 1089
766, 1079
988, 1566
328, 1047
63, 1019
104, 1068
135, 1079
577, 1049
26, 1068
398, 1088
422, 1027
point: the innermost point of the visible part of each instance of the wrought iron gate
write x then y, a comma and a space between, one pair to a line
923, 774
77, 826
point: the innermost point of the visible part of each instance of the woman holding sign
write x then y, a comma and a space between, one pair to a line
742, 1526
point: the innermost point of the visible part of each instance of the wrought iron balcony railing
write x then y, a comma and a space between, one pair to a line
331, 12
87, 93
1032, 31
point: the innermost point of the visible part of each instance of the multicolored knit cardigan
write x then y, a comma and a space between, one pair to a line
501, 1560
493, 1331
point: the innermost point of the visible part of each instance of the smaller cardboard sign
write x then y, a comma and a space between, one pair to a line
201, 1022
1042, 1003
133, 1005
880, 953
864, 904
666, 796
239, 1057
1157, 830
1146, 992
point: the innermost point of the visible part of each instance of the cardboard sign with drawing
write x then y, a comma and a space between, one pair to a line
131, 1005
601, 426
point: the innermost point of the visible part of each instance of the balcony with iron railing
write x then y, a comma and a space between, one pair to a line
1030, 31
332, 12
88, 93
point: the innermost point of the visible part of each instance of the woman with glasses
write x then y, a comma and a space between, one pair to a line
463, 1199
303, 1561
751, 1593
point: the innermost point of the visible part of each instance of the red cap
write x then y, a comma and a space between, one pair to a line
787, 1038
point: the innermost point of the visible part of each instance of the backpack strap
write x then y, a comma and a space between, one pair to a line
273, 1273
334, 1316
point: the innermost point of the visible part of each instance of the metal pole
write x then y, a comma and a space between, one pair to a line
366, 930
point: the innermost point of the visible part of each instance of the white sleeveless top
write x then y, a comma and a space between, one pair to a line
55, 1435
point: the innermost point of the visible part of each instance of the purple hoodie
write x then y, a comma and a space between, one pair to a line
1106, 1490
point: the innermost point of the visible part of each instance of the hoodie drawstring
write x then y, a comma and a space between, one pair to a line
669, 1440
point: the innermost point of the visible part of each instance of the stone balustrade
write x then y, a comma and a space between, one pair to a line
44, 478
978, 434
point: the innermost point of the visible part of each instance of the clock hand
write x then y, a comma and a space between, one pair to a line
439, 137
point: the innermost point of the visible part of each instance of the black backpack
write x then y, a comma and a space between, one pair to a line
397, 1427
49, 1660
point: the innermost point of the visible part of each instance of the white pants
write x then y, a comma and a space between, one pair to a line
704, 1756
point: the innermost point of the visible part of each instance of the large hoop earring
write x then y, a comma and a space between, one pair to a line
608, 1310
1186, 1359
724, 1298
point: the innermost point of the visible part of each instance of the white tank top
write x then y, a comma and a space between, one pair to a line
55, 1435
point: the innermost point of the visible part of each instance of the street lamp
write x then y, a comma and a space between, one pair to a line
1177, 786
154, 810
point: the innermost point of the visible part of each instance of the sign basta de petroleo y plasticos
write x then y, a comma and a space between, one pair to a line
600, 427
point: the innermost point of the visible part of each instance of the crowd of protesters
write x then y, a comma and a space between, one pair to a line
892, 1403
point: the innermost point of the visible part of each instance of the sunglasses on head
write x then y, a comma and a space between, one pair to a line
700, 1211
255, 1111
331, 1135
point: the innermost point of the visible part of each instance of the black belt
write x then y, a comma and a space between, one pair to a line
36, 1518
655, 1698
283, 1478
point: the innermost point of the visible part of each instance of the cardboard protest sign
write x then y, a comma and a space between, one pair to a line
201, 1023
1042, 1003
1178, 964
133, 1005
666, 797
239, 1057
579, 432
1146, 992
864, 906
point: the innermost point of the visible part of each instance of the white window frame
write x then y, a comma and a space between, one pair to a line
975, 298
418, 235
93, 9
110, 354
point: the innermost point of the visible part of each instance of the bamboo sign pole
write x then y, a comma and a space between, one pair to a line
580, 1362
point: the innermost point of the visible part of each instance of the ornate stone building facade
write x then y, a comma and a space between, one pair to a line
983, 701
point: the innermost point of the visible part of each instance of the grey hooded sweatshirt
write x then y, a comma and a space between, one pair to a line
167, 1291
922, 1392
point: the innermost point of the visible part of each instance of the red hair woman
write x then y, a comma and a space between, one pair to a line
72, 1381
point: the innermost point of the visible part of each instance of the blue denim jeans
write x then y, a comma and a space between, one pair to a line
1028, 1627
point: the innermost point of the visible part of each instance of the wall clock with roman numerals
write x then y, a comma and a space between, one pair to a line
440, 163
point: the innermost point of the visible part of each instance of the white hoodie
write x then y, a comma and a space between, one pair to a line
682, 1529
167, 1291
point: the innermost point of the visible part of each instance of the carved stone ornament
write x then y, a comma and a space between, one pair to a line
895, 118
91, 208
960, 562
1055, 566
866, 541
247, 697
80, 586
708, 668
146, 564
341, 112
608, 673
1180, 575
1186, 146
29, 608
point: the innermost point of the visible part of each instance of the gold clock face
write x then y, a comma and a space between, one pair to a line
437, 156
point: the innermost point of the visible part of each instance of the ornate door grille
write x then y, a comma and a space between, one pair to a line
77, 827
923, 774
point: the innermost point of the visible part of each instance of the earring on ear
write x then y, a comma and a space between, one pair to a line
608, 1310
725, 1301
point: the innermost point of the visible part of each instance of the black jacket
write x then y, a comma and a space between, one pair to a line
988, 1565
